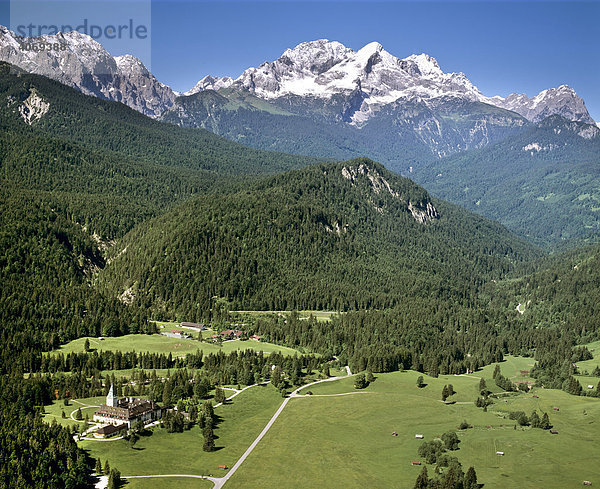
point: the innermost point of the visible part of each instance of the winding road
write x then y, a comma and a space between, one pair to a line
219, 482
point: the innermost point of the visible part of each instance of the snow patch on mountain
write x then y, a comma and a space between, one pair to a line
210, 83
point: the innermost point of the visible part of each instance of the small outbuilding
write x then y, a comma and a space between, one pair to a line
420, 437
587, 483
222, 467
500, 454
415, 462
590, 386
109, 430
553, 432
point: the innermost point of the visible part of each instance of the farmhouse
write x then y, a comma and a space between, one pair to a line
232, 333
176, 333
255, 337
109, 430
126, 411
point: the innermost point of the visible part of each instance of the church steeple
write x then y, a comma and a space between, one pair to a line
111, 399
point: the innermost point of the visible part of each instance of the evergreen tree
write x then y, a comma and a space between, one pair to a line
420, 384
496, 371
209, 440
98, 467
114, 479
360, 382
422, 481
470, 480
545, 423
534, 420
219, 395
106, 468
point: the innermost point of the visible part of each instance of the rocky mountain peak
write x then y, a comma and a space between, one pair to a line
85, 64
562, 101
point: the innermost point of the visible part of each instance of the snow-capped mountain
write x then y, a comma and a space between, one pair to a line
210, 83
84, 64
562, 101
322, 69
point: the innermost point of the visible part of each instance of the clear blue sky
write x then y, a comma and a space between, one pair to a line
502, 47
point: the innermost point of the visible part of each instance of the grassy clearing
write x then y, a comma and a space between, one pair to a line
167, 483
162, 344
318, 315
54, 411
181, 453
590, 365
348, 438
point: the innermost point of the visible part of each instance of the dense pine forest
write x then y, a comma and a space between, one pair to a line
109, 219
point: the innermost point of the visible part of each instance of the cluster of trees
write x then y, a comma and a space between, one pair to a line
534, 420
451, 474
447, 391
452, 477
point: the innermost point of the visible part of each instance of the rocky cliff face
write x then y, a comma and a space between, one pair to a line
84, 64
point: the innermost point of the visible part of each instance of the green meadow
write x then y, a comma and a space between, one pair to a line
241, 420
158, 343
166, 483
345, 441
349, 438
318, 315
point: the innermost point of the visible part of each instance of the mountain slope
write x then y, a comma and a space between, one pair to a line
110, 166
403, 112
340, 236
402, 134
543, 184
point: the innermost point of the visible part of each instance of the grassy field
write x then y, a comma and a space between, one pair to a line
88, 406
162, 344
167, 483
181, 453
318, 315
347, 439
590, 365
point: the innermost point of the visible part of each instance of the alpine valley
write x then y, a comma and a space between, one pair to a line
244, 256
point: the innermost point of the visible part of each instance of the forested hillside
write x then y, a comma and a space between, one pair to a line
543, 184
334, 236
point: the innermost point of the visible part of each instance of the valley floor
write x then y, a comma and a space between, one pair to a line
344, 436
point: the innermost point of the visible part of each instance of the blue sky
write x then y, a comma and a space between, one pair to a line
502, 47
